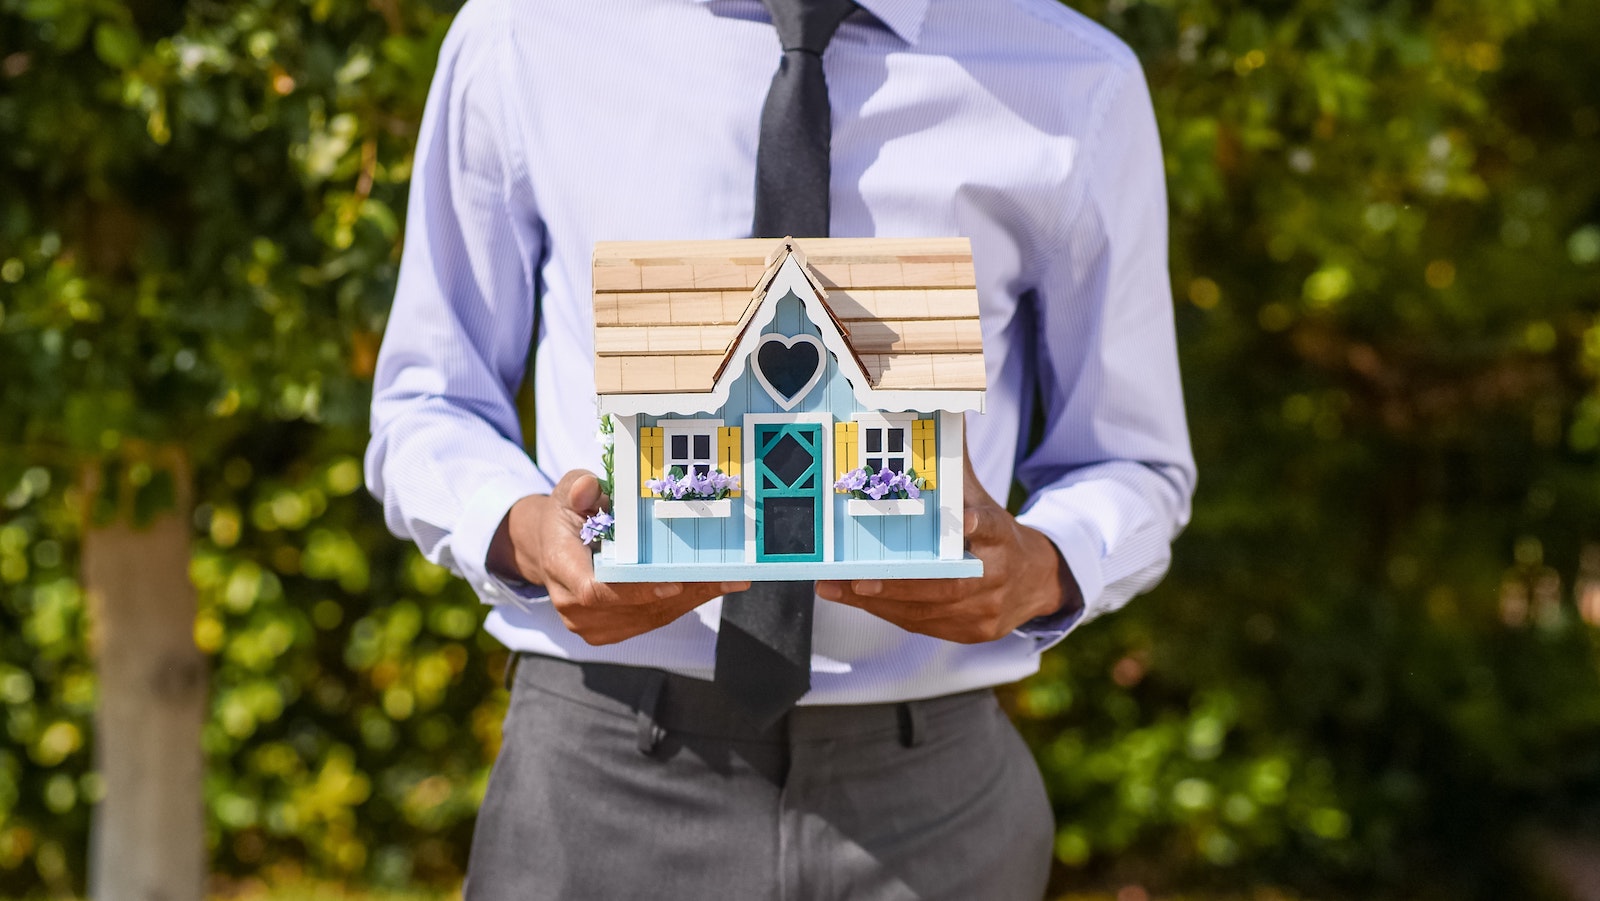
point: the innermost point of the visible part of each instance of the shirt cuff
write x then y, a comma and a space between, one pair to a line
1080, 548
474, 532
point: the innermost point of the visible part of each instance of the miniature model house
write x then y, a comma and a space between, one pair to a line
787, 409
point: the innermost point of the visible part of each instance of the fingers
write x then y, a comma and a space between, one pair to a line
578, 491
605, 613
916, 591
975, 618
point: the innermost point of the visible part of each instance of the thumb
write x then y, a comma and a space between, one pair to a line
984, 523
578, 491
983, 520
971, 488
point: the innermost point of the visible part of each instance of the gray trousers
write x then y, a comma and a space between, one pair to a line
620, 783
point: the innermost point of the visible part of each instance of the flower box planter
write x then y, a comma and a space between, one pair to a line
897, 507
693, 509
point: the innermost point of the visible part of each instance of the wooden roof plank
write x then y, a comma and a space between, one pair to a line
695, 307
959, 371
665, 278
616, 278
608, 375
719, 275
952, 303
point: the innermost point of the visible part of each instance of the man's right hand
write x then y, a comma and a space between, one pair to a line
538, 542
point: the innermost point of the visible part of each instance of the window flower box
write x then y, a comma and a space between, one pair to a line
881, 492
693, 508
903, 506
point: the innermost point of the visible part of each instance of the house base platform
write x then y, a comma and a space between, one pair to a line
969, 568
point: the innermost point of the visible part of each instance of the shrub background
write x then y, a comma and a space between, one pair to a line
1372, 672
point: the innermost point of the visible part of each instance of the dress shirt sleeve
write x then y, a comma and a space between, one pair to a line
446, 458
1111, 481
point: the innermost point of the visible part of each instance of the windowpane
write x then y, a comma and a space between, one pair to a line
876, 463
702, 447
897, 441
789, 526
701, 469
874, 441
680, 447
788, 459
897, 464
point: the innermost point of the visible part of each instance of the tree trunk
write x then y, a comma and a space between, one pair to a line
149, 831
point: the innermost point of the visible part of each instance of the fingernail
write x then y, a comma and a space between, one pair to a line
668, 589
869, 587
731, 587
829, 591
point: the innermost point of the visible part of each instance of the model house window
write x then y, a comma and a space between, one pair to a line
691, 447
885, 442
885, 448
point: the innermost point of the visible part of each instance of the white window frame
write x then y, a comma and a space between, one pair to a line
883, 422
690, 428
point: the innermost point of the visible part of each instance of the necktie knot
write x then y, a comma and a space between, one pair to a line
808, 25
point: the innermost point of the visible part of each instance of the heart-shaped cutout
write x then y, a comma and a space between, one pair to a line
788, 367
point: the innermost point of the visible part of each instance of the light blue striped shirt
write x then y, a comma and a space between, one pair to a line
1016, 123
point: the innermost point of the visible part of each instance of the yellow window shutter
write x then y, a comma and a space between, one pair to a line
924, 455
651, 451
844, 449
730, 449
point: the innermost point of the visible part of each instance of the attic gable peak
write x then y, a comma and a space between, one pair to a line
786, 249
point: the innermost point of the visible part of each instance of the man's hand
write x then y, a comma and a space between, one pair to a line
538, 542
1023, 577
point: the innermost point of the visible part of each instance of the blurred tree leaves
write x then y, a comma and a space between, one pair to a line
1372, 670
1371, 673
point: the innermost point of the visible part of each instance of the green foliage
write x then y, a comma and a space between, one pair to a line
1371, 673
1367, 672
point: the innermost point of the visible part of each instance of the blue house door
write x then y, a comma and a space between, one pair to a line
789, 492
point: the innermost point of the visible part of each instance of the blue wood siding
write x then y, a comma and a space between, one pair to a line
721, 540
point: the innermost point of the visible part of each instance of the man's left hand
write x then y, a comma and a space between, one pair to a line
1023, 578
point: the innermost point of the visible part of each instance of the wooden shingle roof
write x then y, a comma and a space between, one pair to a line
668, 314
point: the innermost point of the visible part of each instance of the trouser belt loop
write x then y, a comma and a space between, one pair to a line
650, 731
913, 723
510, 675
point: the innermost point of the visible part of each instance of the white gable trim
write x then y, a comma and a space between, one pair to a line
791, 276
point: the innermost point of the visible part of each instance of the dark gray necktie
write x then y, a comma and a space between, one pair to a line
764, 644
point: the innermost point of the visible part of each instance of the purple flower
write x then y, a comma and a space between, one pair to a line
712, 485
852, 481
863, 482
596, 526
718, 484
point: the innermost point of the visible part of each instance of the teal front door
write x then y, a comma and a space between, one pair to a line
789, 492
